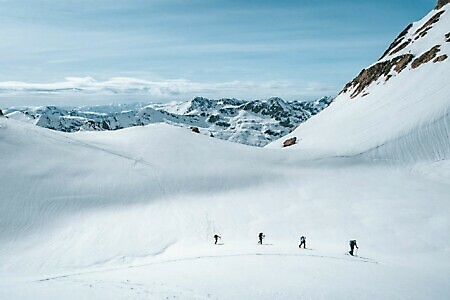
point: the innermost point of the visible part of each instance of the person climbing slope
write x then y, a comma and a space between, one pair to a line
302, 242
261, 236
216, 238
352, 246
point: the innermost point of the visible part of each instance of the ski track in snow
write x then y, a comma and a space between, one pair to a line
356, 259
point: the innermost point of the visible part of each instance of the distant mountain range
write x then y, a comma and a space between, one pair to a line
256, 122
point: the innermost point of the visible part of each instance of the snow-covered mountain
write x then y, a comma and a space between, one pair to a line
397, 108
253, 123
131, 214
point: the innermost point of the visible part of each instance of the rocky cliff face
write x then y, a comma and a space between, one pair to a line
442, 3
396, 109
410, 50
255, 123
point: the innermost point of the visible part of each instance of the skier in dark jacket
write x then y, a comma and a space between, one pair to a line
261, 236
352, 246
216, 238
302, 242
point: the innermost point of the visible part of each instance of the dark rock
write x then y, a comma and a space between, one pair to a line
195, 129
213, 118
440, 58
422, 31
373, 73
272, 132
447, 37
397, 40
426, 57
223, 124
290, 142
401, 47
441, 4
401, 62
1, 113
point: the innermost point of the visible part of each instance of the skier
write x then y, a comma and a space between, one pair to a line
302, 242
216, 238
261, 236
352, 246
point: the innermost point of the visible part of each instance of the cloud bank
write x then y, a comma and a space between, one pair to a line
157, 90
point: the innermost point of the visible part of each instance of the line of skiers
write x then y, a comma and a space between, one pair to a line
261, 236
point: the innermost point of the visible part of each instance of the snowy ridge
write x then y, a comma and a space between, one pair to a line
393, 107
255, 123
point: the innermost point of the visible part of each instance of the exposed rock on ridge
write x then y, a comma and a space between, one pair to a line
402, 51
397, 41
441, 4
373, 73
426, 57
422, 31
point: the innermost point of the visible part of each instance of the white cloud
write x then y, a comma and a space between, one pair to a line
129, 85
74, 91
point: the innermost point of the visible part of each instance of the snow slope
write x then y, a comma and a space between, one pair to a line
401, 116
132, 212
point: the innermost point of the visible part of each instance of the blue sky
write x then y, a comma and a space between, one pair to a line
89, 52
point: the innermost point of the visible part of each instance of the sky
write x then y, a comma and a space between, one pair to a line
79, 52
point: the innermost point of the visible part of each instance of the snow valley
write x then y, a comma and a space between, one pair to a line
131, 213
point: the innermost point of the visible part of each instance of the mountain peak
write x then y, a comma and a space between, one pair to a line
441, 4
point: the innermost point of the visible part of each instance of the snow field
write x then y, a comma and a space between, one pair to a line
146, 202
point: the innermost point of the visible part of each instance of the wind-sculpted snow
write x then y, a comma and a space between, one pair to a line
253, 123
428, 142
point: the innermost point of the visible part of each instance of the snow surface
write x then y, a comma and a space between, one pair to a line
130, 214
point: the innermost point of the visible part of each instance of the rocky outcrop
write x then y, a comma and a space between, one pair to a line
1, 113
290, 142
440, 58
426, 57
195, 129
373, 73
400, 62
401, 47
447, 37
441, 4
422, 31
398, 40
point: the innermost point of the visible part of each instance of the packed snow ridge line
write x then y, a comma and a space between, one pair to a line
255, 123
